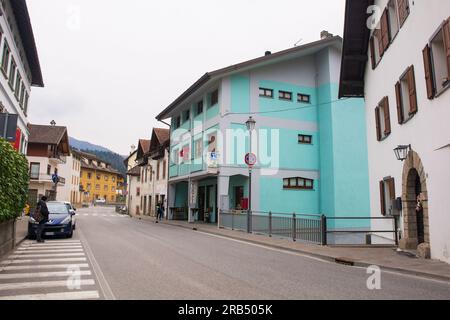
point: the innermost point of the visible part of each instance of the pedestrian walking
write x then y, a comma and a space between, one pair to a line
41, 215
159, 211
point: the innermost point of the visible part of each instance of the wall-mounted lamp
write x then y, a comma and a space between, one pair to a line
401, 152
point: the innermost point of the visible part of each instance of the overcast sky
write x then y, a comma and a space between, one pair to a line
110, 66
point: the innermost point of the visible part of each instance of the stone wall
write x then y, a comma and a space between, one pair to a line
7, 237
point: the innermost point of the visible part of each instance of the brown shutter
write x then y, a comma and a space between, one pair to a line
382, 199
398, 93
412, 91
377, 121
385, 36
446, 35
428, 72
372, 53
391, 183
377, 34
403, 10
387, 116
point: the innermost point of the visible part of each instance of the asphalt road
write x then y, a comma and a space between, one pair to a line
138, 259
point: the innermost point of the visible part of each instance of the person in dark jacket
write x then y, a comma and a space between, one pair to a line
42, 207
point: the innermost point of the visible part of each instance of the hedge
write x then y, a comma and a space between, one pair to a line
13, 181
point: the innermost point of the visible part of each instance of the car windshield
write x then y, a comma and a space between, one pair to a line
68, 206
57, 208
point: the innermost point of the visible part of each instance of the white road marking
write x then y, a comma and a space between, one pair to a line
80, 295
45, 266
42, 284
41, 274
28, 252
33, 248
47, 255
7, 262
85, 214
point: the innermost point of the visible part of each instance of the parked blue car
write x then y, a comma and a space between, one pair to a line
60, 224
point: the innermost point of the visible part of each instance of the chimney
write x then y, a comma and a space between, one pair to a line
267, 53
325, 35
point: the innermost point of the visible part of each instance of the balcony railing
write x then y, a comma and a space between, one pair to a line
46, 178
57, 157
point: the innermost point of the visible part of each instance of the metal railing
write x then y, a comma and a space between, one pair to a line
309, 228
298, 227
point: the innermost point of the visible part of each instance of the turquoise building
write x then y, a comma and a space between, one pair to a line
310, 146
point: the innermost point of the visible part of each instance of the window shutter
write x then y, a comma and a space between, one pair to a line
382, 199
377, 121
428, 72
446, 35
412, 91
385, 36
403, 10
372, 52
398, 93
391, 183
387, 116
378, 34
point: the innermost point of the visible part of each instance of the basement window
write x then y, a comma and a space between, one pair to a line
285, 95
305, 98
266, 93
304, 139
298, 183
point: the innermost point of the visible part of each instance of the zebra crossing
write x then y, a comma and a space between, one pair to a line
104, 215
54, 270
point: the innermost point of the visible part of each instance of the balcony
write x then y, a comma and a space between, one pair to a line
57, 158
43, 178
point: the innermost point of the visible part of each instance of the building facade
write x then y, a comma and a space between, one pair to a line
47, 152
70, 191
98, 180
400, 64
310, 146
19, 66
147, 176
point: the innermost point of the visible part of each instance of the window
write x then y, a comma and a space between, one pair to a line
185, 154
198, 148
105, 187
383, 119
405, 90
89, 187
34, 170
436, 58
113, 179
98, 177
304, 139
138, 191
387, 194
18, 82
212, 143
175, 156
97, 187
157, 169
285, 95
305, 98
394, 23
375, 48
403, 11
5, 58
89, 175
267, 93
199, 107
113, 189
25, 103
164, 170
106, 178
214, 97
12, 74
22, 95
298, 183
177, 122
49, 169
187, 115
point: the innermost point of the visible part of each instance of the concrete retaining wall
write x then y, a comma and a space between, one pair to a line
7, 237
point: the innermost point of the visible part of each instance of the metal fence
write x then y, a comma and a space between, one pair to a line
298, 227
316, 229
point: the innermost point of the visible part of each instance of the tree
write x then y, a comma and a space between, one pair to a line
13, 181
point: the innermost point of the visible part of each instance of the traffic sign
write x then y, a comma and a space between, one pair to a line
250, 159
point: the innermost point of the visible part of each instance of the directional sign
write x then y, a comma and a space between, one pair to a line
250, 159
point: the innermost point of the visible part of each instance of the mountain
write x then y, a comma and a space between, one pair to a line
84, 145
116, 160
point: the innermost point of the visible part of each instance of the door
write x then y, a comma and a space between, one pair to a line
419, 213
201, 203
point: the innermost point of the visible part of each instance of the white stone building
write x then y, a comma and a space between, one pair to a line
19, 66
71, 169
402, 68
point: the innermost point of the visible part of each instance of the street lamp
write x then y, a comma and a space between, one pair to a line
401, 152
250, 123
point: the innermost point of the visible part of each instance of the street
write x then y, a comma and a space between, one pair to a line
124, 258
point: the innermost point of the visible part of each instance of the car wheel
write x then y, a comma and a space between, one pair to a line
70, 235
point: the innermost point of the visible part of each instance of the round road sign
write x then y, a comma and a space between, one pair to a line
250, 159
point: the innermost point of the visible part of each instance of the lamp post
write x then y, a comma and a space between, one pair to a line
401, 152
250, 123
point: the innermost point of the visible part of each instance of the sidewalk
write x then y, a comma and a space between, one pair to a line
384, 257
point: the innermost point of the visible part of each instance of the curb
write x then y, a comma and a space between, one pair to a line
340, 260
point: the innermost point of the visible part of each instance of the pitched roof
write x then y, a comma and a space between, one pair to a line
284, 55
163, 135
145, 145
135, 171
23, 20
46, 134
92, 166
355, 48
